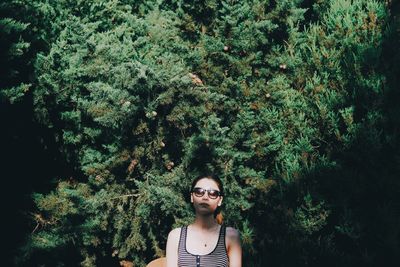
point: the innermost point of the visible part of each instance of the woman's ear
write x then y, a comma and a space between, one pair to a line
191, 198
220, 201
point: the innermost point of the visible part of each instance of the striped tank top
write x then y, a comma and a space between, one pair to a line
216, 258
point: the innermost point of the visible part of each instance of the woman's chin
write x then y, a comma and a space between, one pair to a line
204, 211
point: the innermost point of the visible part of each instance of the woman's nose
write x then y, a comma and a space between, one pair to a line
205, 196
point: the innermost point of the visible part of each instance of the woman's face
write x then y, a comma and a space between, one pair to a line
205, 204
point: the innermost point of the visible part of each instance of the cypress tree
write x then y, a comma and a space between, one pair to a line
292, 103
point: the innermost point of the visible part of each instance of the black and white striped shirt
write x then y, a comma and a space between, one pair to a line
216, 258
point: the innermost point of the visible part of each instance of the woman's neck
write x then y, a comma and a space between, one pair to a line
205, 222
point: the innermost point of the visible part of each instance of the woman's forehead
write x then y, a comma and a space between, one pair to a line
207, 184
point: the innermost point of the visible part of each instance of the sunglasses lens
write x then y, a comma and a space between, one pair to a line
198, 192
213, 194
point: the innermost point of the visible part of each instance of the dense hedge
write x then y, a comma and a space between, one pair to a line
292, 103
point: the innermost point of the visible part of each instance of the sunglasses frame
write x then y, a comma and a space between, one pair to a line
203, 191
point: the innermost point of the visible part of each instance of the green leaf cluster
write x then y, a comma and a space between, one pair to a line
291, 103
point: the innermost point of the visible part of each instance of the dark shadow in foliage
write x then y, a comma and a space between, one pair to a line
30, 157
202, 156
361, 192
365, 186
27, 166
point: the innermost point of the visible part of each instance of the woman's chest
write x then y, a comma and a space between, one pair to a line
201, 244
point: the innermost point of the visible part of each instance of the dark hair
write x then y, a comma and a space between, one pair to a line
217, 213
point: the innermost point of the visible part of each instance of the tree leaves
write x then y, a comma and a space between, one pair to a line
145, 96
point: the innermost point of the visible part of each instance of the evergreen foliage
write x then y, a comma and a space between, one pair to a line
13, 47
291, 103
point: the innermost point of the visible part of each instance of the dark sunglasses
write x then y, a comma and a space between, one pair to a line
199, 192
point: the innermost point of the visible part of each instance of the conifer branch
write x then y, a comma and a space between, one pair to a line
128, 195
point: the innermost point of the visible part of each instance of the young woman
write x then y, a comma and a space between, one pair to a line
205, 243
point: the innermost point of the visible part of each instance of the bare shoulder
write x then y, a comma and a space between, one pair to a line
172, 247
232, 234
174, 234
233, 247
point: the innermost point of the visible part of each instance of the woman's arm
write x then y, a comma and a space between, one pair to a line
172, 247
234, 247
